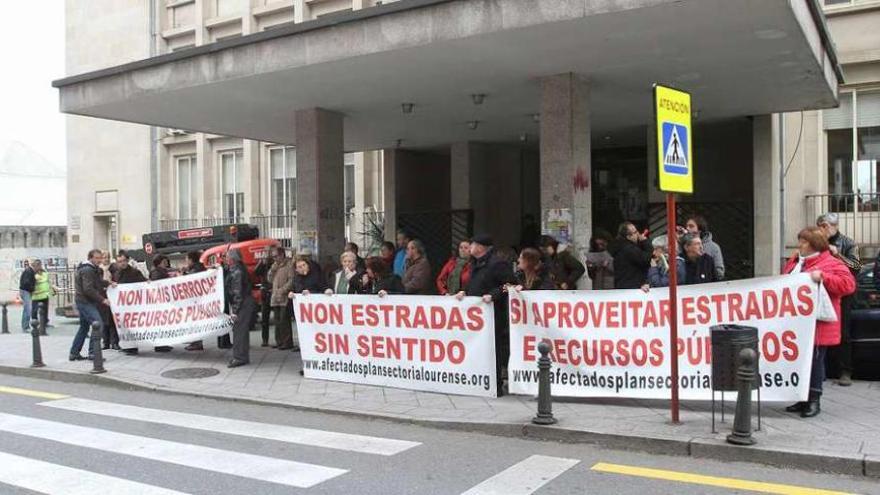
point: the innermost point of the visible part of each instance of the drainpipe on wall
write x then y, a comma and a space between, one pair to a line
782, 254
154, 136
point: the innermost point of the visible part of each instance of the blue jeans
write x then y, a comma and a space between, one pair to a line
25, 310
88, 314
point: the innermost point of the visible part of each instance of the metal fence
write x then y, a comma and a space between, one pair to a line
859, 216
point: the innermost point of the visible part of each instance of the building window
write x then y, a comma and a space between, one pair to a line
282, 176
348, 182
232, 185
853, 135
183, 15
186, 187
223, 8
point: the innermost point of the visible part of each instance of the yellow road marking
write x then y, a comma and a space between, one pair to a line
699, 479
31, 393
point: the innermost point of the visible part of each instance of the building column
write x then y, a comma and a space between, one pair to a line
766, 186
566, 195
389, 190
320, 201
251, 186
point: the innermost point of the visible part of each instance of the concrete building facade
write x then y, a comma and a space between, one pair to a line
455, 116
831, 155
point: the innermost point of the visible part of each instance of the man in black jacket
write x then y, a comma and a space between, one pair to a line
125, 273
489, 275
26, 285
699, 267
89, 288
241, 306
632, 257
847, 251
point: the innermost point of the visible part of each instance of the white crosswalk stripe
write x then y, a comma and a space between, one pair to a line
297, 474
303, 436
524, 477
52, 479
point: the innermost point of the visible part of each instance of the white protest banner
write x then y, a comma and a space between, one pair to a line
616, 343
171, 311
431, 343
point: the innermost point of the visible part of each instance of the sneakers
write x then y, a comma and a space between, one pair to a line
845, 379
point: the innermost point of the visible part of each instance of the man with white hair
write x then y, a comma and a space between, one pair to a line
846, 250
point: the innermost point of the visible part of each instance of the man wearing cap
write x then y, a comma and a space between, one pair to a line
489, 275
847, 251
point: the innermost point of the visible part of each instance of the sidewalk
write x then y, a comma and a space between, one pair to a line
844, 439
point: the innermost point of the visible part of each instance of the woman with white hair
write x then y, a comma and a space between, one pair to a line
658, 273
346, 279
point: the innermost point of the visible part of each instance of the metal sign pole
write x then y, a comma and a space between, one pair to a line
672, 244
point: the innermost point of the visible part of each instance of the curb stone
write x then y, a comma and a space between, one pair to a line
697, 447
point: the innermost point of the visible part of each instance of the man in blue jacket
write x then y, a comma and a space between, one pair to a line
400, 255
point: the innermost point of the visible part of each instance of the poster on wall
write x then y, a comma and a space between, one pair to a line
557, 223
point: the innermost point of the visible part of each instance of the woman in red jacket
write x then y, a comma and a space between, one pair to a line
813, 257
456, 272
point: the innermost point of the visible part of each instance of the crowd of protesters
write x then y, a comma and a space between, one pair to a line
478, 268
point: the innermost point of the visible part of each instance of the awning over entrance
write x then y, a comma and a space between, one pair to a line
737, 57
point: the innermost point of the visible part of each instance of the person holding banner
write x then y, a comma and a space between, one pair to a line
346, 280
531, 273
814, 257
241, 307
379, 280
490, 274
564, 268
194, 265
456, 273
699, 267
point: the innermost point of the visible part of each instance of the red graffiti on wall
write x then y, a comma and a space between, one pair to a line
581, 180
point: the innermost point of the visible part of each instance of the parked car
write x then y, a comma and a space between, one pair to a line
865, 325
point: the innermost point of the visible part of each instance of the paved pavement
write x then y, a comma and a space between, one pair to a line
85, 439
845, 438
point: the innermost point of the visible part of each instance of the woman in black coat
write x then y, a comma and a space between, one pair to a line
379, 279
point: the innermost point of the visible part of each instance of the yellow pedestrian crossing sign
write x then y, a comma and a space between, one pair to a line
672, 108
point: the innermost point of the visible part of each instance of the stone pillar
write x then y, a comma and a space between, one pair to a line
251, 186
389, 188
766, 187
320, 200
209, 179
565, 160
461, 165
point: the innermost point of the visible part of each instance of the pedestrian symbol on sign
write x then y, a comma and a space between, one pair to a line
675, 146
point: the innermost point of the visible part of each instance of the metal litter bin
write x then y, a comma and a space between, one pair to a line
727, 342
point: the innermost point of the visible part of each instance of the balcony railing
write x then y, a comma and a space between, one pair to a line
859, 216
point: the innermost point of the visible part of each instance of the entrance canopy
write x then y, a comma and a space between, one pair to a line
737, 57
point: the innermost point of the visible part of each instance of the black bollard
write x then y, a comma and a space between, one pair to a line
742, 421
35, 344
545, 401
97, 353
5, 319
40, 318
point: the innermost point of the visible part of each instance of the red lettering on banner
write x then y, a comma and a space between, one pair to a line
704, 314
475, 319
656, 352
770, 347
514, 311
789, 342
805, 297
734, 304
687, 311
564, 315
613, 310
771, 303
606, 351
529, 347
363, 345
786, 307
753, 309
357, 315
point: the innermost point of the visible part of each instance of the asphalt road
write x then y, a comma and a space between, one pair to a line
76, 438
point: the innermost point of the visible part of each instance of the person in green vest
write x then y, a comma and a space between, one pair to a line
43, 290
